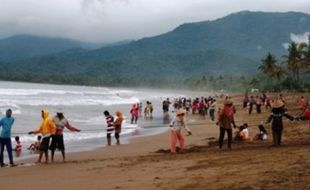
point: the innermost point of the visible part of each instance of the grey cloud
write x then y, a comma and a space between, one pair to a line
114, 20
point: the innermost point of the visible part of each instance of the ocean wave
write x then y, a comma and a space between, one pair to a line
15, 108
26, 139
32, 92
68, 101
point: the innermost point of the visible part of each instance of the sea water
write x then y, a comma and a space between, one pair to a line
83, 107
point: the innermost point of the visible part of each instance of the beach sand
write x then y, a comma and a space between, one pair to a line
146, 163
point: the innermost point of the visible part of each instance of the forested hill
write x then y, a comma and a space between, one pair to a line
231, 45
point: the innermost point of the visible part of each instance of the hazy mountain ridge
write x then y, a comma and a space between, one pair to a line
230, 45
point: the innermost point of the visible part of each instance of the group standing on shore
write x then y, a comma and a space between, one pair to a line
51, 130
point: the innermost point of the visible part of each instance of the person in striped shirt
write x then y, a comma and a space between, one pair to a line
110, 126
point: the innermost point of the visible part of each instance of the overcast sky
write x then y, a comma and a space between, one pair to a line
116, 20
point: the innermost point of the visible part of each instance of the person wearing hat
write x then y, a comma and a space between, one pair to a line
58, 139
177, 124
277, 113
226, 121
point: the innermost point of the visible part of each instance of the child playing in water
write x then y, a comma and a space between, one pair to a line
36, 145
18, 146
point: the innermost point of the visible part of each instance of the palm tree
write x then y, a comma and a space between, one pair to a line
269, 66
306, 53
254, 82
294, 60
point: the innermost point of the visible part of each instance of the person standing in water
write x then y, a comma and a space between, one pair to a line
277, 113
134, 113
58, 139
110, 126
47, 129
6, 124
118, 126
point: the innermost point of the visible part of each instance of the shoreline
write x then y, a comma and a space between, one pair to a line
146, 163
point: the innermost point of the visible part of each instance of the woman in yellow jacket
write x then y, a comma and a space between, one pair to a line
47, 129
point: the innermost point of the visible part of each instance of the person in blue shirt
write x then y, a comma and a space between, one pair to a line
6, 124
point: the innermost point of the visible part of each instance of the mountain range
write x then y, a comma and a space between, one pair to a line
232, 45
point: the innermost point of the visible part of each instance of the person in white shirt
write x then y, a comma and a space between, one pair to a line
177, 125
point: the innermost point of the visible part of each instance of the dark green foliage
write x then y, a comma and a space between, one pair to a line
219, 54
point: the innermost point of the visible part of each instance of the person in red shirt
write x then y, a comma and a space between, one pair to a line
306, 114
134, 113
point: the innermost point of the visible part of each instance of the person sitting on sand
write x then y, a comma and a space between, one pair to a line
58, 139
118, 126
262, 135
306, 114
36, 145
177, 124
278, 112
238, 136
6, 124
47, 129
226, 121
110, 126
245, 133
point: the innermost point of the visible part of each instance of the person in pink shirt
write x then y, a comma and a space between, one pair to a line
134, 113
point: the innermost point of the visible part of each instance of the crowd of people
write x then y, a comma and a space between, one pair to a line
51, 130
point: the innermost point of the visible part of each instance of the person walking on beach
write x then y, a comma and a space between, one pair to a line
47, 129
226, 120
245, 100
258, 104
277, 113
251, 104
177, 124
118, 126
110, 126
302, 103
134, 113
58, 139
6, 124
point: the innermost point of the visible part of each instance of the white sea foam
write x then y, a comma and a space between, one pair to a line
68, 101
85, 134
